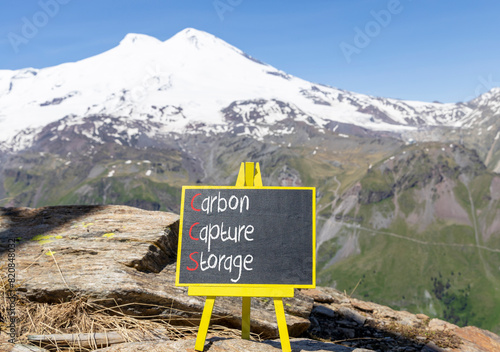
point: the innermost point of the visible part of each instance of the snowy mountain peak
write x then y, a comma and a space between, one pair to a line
194, 34
195, 79
191, 38
493, 95
139, 39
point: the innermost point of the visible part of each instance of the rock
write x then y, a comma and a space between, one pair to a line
432, 347
312, 345
26, 348
363, 306
328, 295
300, 305
322, 310
157, 346
352, 315
408, 319
382, 329
349, 333
422, 316
477, 340
318, 296
121, 255
440, 325
217, 344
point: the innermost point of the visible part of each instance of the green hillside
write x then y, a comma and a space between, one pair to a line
425, 237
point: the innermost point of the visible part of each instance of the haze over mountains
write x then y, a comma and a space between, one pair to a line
408, 195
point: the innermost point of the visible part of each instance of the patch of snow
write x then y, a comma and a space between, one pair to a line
427, 294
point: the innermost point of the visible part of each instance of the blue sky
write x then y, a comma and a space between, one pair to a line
426, 50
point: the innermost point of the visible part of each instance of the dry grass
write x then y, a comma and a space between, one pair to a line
83, 315
443, 339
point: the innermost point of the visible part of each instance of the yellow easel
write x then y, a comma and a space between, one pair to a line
247, 177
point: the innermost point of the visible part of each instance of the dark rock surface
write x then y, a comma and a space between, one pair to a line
126, 256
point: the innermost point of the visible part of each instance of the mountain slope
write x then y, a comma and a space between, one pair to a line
421, 234
407, 200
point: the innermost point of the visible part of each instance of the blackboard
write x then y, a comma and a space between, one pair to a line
247, 236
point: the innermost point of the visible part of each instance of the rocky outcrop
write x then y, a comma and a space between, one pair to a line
355, 323
227, 345
121, 256
370, 197
125, 256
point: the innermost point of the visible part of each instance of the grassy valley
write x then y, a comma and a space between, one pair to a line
423, 238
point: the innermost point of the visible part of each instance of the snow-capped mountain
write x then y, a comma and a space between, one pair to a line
134, 124
191, 83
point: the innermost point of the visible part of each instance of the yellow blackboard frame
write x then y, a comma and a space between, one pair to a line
248, 176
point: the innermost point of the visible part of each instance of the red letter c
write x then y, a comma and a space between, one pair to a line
192, 201
190, 229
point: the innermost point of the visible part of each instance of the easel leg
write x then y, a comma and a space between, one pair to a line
282, 327
245, 318
204, 323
